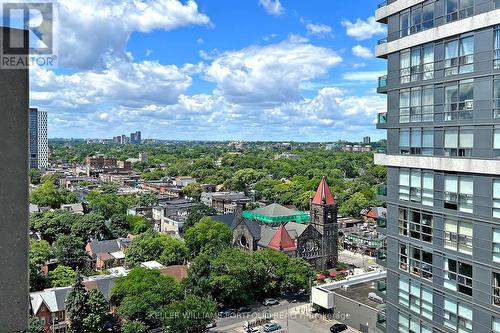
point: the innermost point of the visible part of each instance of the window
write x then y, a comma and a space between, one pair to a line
495, 327
458, 276
496, 141
417, 18
458, 142
416, 142
457, 316
420, 263
404, 106
496, 198
496, 289
403, 257
459, 56
458, 235
417, 225
459, 101
458, 9
458, 193
416, 297
413, 325
496, 245
496, 98
417, 64
416, 186
496, 47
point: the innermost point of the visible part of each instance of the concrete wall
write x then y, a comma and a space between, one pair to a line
14, 303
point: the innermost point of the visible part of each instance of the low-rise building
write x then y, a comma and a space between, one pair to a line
108, 253
74, 208
224, 202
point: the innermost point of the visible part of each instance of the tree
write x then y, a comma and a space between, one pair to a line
142, 294
40, 252
208, 235
76, 305
135, 326
193, 190
61, 276
70, 249
90, 226
108, 204
190, 315
53, 223
35, 176
118, 226
35, 325
49, 195
98, 315
354, 205
145, 199
154, 246
197, 213
137, 224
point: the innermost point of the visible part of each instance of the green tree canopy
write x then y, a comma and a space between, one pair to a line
207, 235
193, 190
62, 276
98, 316
190, 315
197, 213
49, 195
154, 246
76, 305
70, 250
142, 294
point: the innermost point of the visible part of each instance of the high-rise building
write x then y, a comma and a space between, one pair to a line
38, 141
443, 171
135, 138
367, 140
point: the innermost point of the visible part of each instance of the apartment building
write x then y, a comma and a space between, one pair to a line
443, 177
38, 140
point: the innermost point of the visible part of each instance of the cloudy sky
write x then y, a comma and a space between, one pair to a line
214, 70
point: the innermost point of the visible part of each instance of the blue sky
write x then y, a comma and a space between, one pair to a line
211, 69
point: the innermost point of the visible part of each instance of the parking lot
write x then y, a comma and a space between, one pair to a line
292, 317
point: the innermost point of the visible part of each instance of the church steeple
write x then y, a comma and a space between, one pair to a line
323, 194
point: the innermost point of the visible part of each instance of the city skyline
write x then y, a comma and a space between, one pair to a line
263, 70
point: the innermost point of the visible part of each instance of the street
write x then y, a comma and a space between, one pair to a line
293, 318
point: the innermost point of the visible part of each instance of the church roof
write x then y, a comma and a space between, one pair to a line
282, 241
323, 194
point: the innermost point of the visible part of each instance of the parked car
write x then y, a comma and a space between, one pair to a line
252, 330
270, 301
227, 313
270, 327
336, 328
376, 298
244, 309
212, 324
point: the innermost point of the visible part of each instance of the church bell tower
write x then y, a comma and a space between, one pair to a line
323, 216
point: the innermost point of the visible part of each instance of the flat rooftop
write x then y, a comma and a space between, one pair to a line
359, 293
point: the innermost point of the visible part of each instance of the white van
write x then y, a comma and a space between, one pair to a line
376, 298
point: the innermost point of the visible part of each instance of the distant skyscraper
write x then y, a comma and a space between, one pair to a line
39, 144
135, 138
367, 140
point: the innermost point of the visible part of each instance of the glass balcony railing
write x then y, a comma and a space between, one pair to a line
382, 41
382, 222
382, 190
382, 4
381, 151
381, 285
382, 118
381, 255
382, 81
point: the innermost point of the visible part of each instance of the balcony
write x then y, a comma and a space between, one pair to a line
382, 120
382, 190
382, 85
381, 317
381, 222
382, 41
381, 258
382, 4
381, 285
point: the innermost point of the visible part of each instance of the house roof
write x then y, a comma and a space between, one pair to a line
104, 256
178, 272
323, 194
108, 246
53, 298
227, 219
282, 241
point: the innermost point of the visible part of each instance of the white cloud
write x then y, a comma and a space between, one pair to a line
358, 65
362, 29
81, 21
270, 74
124, 83
362, 52
363, 75
149, 52
272, 7
321, 30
